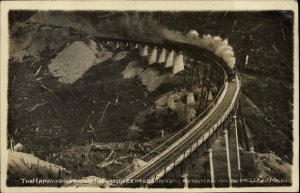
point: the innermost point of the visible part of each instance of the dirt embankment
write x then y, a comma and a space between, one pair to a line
150, 77
73, 61
23, 166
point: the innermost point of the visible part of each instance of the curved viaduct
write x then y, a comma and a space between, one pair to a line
198, 133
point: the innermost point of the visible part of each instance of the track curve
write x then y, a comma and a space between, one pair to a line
217, 115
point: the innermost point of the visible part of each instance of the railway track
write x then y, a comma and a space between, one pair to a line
181, 145
188, 139
168, 157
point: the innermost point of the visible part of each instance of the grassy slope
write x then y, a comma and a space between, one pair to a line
266, 104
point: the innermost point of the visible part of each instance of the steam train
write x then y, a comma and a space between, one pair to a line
196, 51
202, 54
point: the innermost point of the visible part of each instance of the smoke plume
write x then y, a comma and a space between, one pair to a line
133, 25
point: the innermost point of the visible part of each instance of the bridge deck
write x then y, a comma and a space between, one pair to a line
168, 156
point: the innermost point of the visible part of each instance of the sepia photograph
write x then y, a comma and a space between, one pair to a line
109, 98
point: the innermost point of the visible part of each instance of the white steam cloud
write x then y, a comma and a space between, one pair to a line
214, 44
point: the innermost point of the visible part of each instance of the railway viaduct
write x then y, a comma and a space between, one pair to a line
212, 120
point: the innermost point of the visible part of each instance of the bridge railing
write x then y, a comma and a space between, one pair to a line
169, 164
124, 172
